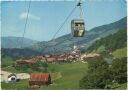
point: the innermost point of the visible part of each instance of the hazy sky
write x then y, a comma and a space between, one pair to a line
45, 17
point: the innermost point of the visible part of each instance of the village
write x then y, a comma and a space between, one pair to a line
64, 57
44, 78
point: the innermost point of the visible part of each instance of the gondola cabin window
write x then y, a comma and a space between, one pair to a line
78, 27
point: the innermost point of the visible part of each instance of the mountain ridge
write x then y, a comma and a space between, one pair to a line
65, 43
16, 42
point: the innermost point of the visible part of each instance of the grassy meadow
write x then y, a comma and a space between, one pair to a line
71, 74
21, 85
119, 53
66, 76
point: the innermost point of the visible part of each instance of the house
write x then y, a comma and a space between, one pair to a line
73, 56
39, 79
47, 56
61, 59
84, 56
40, 58
50, 59
30, 61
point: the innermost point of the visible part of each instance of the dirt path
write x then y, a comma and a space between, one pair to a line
4, 75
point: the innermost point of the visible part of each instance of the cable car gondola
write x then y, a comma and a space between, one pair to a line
78, 27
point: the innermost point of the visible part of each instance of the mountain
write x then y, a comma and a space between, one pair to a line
16, 53
65, 43
114, 45
110, 43
16, 42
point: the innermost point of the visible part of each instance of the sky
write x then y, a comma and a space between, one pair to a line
45, 17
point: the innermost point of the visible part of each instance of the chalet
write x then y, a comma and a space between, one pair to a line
61, 59
83, 56
73, 56
47, 56
50, 59
40, 79
63, 55
41, 58
31, 61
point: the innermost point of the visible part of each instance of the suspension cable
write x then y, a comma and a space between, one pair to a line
60, 28
64, 22
80, 7
58, 43
81, 15
28, 10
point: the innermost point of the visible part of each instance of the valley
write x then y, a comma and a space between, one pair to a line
71, 60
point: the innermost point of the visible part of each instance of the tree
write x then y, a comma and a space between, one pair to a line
97, 76
111, 42
22, 67
41, 66
119, 70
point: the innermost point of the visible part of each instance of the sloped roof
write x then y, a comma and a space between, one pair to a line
26, 61
39, 77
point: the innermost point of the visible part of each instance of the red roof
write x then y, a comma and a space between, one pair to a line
39, 77
26, 61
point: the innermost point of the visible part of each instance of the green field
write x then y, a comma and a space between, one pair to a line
119, 86
99, 50
71, 73
21, 85
123, 87
119, 53
64, 75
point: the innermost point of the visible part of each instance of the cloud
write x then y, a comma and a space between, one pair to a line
30, 16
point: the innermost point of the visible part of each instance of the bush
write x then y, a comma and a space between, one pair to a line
22, 67
6, 63
97, 76
41, 66
111, 42
37, 67
100, 75
119, 70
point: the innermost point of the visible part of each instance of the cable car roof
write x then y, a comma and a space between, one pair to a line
78, 20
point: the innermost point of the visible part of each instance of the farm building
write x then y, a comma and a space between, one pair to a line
84, 56
50, 59
30, 61
40, 79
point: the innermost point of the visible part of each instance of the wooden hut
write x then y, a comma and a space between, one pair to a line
39, 79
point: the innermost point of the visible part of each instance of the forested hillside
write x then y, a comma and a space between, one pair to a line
102, 75
16, 53
111, 42
66, 42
